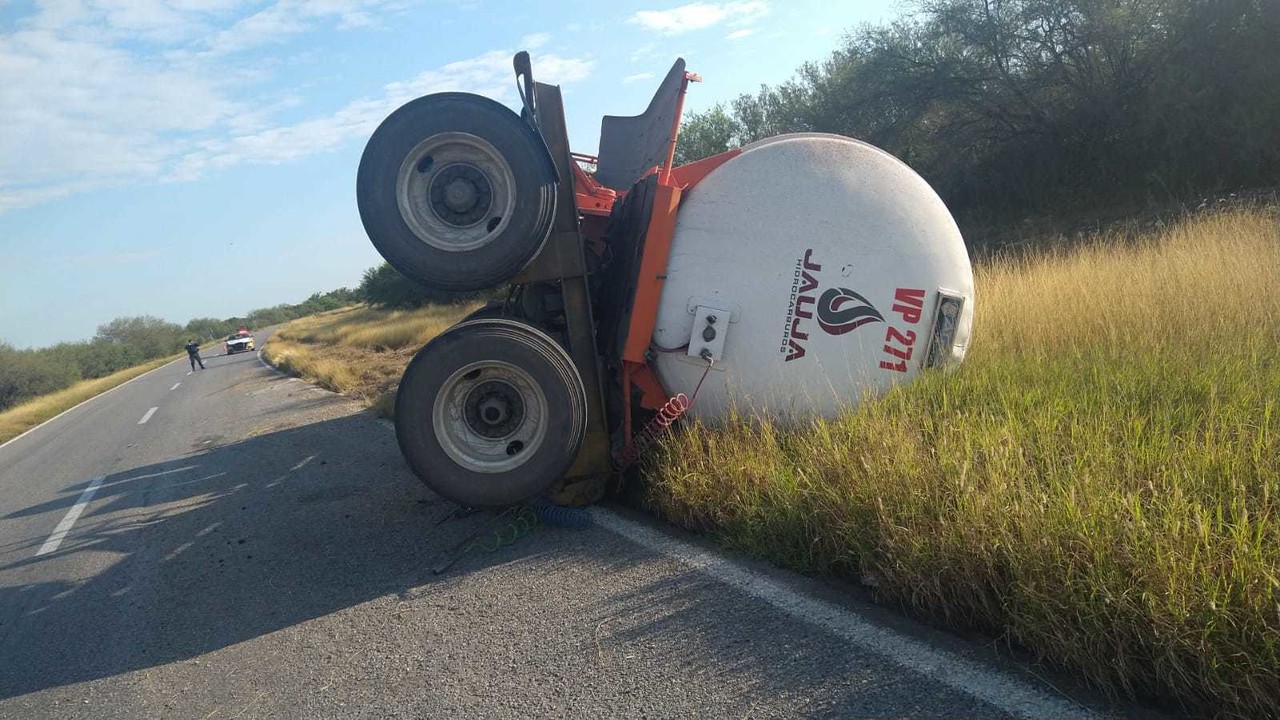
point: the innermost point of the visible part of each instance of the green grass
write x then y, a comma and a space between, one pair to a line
21, 418
1097, 483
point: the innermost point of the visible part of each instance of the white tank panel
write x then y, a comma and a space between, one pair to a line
834, 262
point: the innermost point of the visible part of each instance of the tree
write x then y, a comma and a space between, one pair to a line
1025, 105
94, 359
384, 285
706, 134
208, 328
25, 374
148, 334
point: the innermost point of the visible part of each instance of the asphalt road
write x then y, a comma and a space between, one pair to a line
257, 548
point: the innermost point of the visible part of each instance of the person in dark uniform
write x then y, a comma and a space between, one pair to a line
193, 354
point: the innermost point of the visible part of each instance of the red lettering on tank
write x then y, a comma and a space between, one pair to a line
795, 330
797, 351
800, 311
907, 340
899, 345
811, 265
808, 283
909, 304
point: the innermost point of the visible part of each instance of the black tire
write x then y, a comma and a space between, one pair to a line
507, 178
469, 458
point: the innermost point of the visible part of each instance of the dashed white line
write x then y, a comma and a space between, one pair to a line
89, 400
72, 515
175, 386
148, 415
1002, 690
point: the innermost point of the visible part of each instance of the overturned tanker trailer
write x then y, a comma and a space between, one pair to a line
794, 275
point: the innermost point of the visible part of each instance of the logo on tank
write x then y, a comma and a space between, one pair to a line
838, 310
841, 310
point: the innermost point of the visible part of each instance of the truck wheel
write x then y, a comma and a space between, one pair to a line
490, 413
456, 191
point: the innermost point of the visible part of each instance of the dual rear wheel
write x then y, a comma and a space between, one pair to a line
458, 193
490, 413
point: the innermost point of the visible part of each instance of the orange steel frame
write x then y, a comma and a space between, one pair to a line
594, 203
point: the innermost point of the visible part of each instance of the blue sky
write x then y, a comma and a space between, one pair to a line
191, 158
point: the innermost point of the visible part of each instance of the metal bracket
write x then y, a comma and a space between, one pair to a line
529, 106
710, 327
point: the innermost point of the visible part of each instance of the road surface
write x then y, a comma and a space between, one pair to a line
233, 543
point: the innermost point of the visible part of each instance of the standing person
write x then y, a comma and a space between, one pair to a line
193, 354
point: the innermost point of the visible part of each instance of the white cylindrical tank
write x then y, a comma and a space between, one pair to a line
814, 269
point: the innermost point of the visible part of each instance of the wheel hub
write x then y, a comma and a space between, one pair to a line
494, 409
460, 195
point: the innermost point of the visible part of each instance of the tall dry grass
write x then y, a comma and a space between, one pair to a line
359, 351
1098, 482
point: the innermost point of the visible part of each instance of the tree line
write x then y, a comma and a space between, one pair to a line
383, 285
128, 341
1012, 107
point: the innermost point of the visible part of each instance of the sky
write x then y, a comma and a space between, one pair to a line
197, 158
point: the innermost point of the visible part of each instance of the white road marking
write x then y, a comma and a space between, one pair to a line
269, 366
148, 415
1001, 690
72, 515
162, 472
175, 386
190, 371
95, 397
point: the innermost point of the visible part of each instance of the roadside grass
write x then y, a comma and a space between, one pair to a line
21, 418
1097, 483
359, 351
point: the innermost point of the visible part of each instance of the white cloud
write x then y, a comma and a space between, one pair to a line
644, 52
86, 103
700, 15
284, 18
77, 114
636, 78
488, 74
739, 34
534, 41
156, 21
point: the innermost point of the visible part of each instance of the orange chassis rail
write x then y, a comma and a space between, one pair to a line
595, 202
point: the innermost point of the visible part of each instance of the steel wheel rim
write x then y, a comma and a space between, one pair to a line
469, 431
455, 192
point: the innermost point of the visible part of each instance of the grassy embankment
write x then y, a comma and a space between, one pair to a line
359, 351
21, 418
1098, 482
